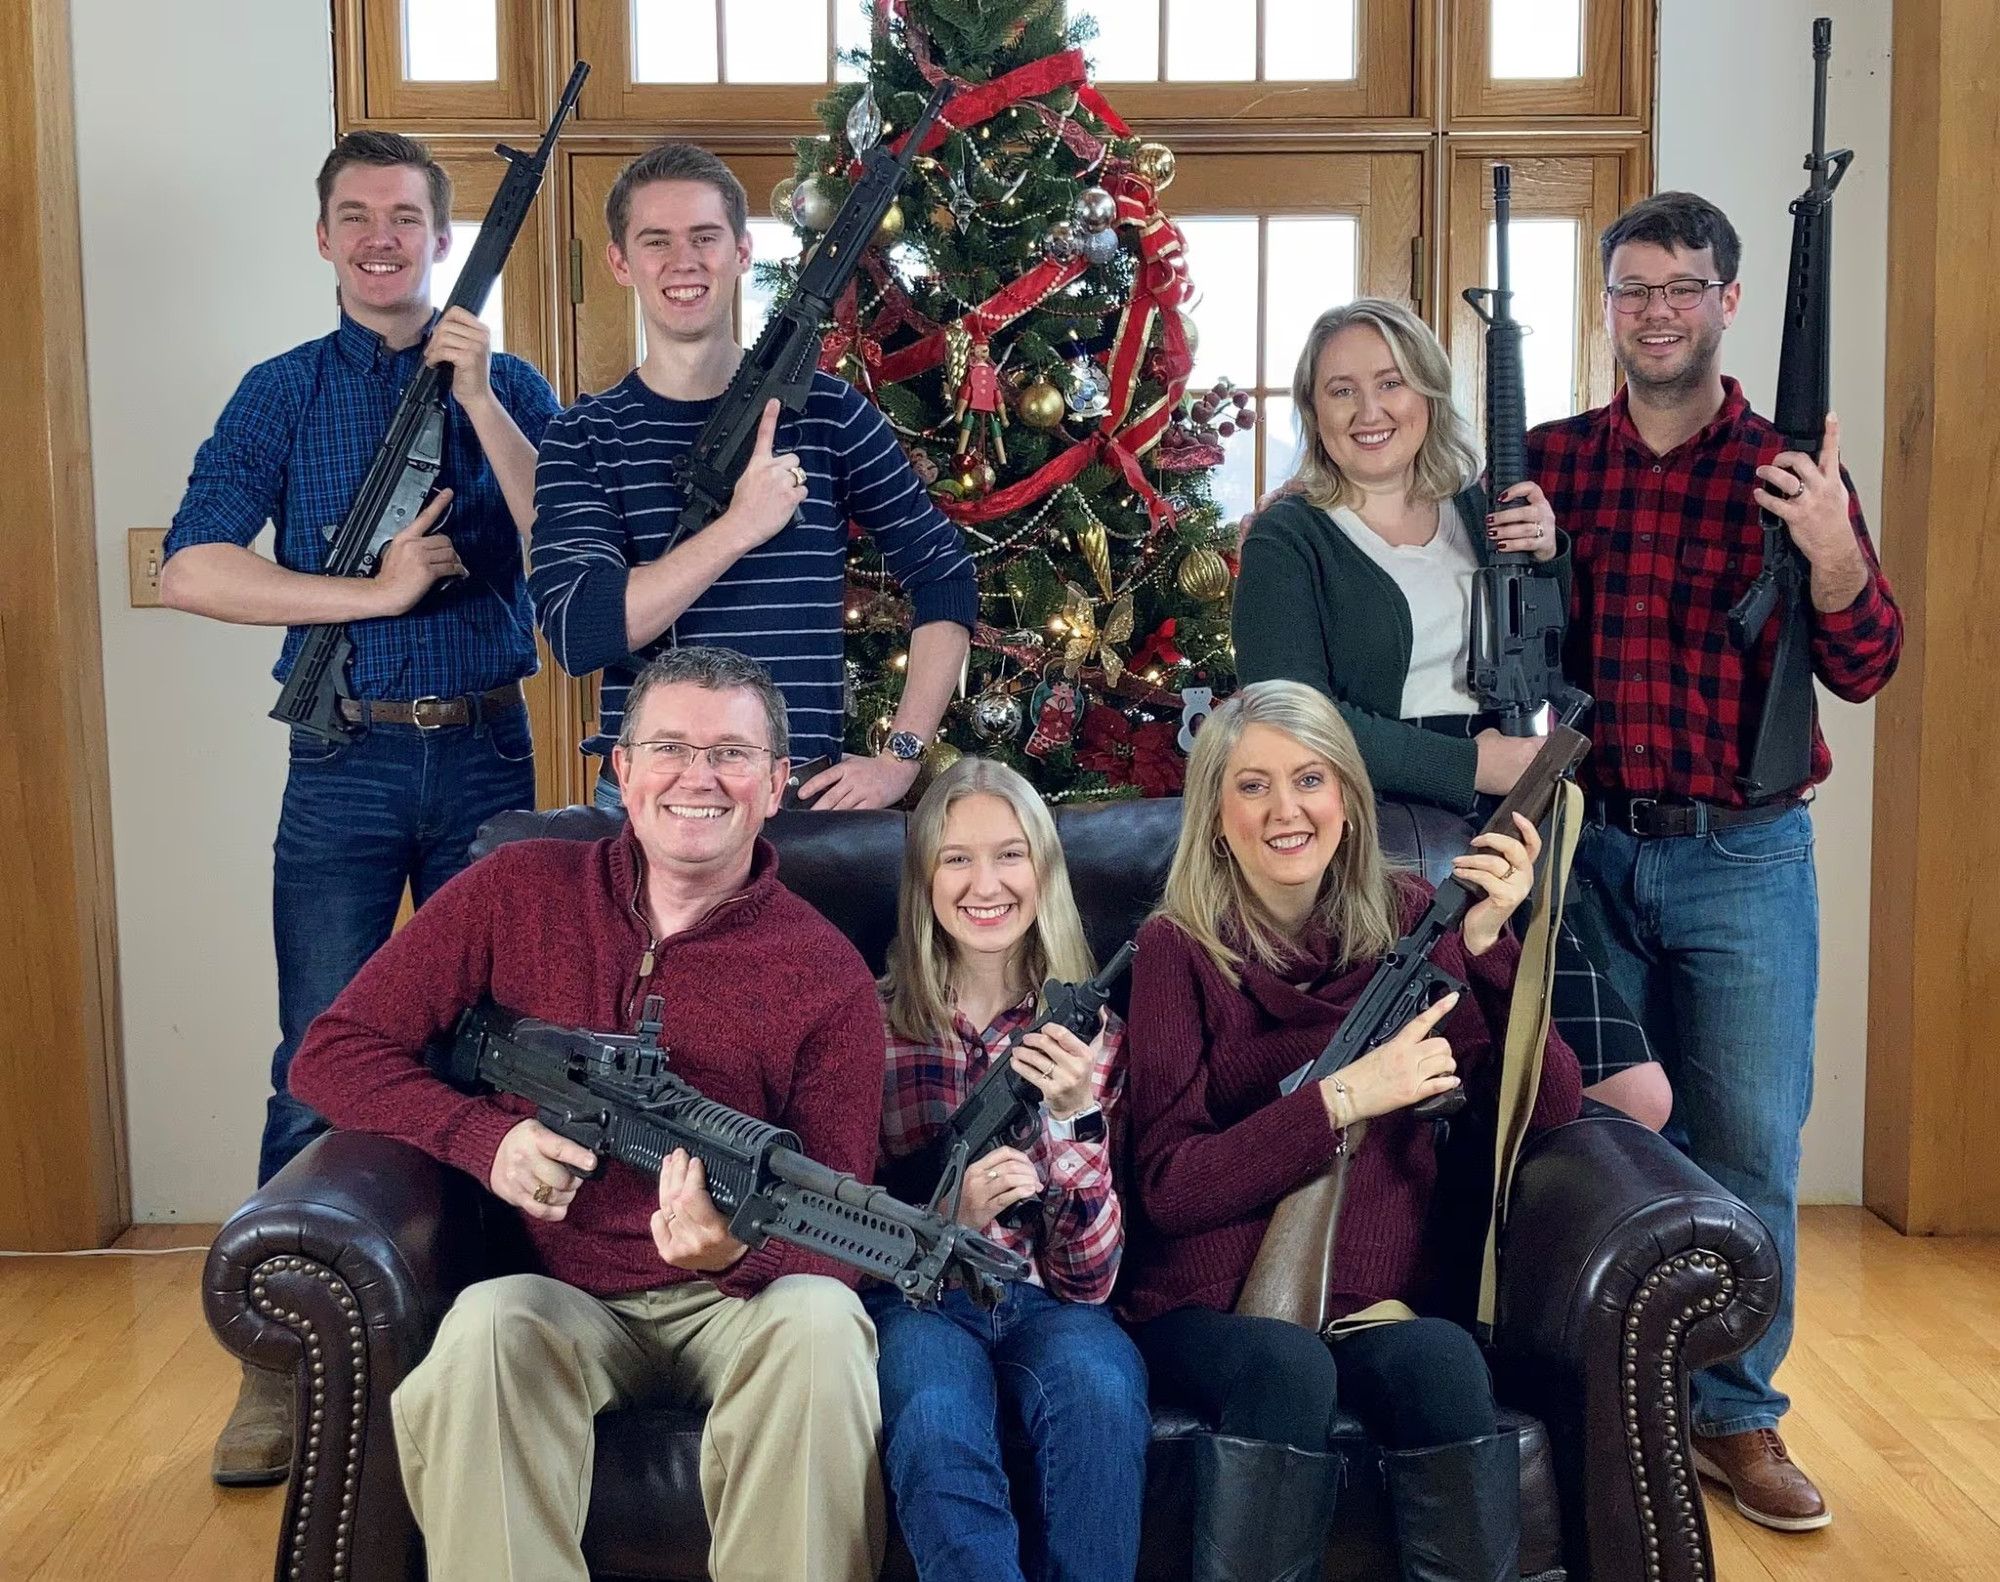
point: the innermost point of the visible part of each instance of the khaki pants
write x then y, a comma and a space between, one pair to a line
497, 1437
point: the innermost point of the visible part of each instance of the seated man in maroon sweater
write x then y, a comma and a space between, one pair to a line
639, 1296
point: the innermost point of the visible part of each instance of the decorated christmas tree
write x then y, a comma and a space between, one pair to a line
1022, 321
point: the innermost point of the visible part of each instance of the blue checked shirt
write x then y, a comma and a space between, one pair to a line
292, 447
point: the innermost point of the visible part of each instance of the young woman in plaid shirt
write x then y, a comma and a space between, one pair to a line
985, 916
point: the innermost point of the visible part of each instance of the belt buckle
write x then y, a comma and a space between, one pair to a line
417, 712
1633, 813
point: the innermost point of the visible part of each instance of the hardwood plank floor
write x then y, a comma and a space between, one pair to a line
112, 1392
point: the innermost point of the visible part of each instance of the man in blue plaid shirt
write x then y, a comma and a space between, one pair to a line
443, 634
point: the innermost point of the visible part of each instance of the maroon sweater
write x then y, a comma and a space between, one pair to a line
1213, 1147
768, 1009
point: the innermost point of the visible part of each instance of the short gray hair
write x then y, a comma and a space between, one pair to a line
717, 670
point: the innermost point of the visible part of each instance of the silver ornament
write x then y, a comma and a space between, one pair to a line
1089, 388
1096, 209
812, 205
1100, 247
1059, 242
864, 122
996, 716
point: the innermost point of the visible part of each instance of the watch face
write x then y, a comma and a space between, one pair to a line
906, 745
1089, 1128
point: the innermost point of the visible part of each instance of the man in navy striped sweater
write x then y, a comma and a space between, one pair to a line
767, 576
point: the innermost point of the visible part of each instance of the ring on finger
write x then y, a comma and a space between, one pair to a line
799, 476
543, 1192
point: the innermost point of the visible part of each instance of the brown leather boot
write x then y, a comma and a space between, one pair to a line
255, 1446
1769, 1488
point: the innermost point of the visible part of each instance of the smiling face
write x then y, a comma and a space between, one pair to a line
682, 258
1371, 421
694, 820
984, 889
1667, 349
381, 238
1282, 817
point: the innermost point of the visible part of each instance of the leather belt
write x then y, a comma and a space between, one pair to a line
432, 714
1653, 817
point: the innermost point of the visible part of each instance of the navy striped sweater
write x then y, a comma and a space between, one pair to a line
606, 500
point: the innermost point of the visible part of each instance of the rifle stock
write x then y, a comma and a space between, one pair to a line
1780, 758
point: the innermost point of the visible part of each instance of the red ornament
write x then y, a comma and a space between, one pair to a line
1056, 723
1158, 648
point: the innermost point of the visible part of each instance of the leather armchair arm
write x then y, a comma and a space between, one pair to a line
1624, 1268
338, 1270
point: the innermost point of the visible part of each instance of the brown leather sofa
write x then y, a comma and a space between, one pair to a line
1624, 1267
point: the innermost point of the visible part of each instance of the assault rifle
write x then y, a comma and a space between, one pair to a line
782, 362
1515, 660
406, 465
1004, 1108
1781, 756
614, 1094
1294, 1266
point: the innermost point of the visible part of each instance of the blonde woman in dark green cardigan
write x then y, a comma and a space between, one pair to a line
1357, 580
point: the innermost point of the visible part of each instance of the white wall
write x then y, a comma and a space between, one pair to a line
1735, 117
199, 126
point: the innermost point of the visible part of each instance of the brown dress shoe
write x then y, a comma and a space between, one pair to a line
255, 1446
1759, 1472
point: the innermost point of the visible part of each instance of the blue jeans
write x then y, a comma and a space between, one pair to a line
1714, 942
1063, 1375
360, 819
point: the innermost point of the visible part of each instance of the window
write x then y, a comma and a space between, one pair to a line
427, 61
1516, 59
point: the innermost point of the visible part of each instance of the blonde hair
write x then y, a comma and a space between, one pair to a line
918, 985
1207, 896
1449, 457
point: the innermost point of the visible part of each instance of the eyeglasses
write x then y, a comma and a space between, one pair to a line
1632, 299
726, 760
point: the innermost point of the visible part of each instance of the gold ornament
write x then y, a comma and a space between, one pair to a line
878, 738
1087, 638
890, 231
1096, 550
1203, 574
1040, 405
1155, 161
957, 357
940, 756
781, 199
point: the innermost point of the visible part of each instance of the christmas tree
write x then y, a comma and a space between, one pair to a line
1021, 319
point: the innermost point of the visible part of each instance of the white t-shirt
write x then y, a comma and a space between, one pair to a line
1436, 580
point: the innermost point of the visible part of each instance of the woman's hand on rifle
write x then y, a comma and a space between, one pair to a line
1502, 870
1415, 1065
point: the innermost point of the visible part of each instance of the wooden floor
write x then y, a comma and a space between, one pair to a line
112, 1391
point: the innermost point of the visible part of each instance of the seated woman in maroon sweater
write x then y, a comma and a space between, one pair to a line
1278, 907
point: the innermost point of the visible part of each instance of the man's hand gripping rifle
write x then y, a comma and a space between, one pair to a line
781, 364
614, 1094
1407, 982
1004, 1108
407, 462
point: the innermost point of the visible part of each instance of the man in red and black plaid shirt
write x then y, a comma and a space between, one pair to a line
1706, 905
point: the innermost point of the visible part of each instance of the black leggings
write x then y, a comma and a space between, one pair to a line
1414, 1385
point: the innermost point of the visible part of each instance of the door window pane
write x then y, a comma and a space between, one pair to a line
1234, 483
1208, 41
1537, 39
444, 275
1310, 265
673, 41
1277, 422
451, 40
1127, 46
770, 243
774, 40
1309, 40
1222, 260
1544, 266
852, 20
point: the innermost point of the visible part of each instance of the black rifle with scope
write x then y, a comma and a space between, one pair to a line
615, 1094
1514, 666
405, 468
1781, 753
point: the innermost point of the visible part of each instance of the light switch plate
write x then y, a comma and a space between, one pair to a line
145, 551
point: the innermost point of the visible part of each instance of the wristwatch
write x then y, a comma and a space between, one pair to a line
1085, 1126
906, 745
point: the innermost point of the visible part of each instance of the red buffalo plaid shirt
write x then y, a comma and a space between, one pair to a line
1074, 1254
1662, 547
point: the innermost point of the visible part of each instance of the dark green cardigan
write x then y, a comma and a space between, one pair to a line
1312, 607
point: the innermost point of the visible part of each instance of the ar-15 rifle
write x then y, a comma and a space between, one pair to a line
614, 1094
1515, 661
1294, 1265
1004, 1107
1781, 756
407, 462
781, 364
